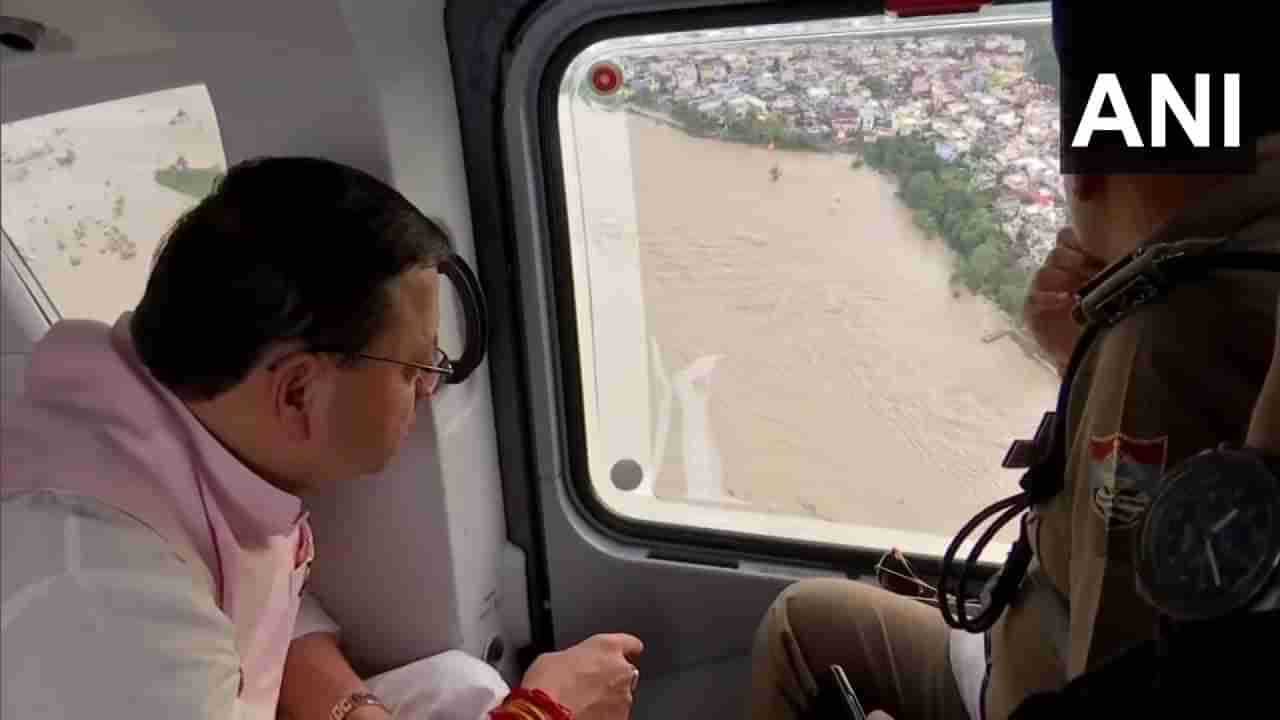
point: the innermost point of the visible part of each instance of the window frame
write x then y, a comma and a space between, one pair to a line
507, 66
587, 501
31, 284
32, 281
712, 546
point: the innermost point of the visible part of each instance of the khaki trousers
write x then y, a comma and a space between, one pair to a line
893, 648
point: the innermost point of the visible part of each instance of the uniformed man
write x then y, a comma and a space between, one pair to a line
1207, 561
1171, 379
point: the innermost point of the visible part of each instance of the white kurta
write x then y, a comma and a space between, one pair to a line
101, 620
147, 572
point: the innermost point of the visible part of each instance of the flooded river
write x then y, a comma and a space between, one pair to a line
842, 376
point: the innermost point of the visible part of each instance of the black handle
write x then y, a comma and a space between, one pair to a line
476, 312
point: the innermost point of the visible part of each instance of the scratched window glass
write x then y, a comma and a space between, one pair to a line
799, 256
89, 192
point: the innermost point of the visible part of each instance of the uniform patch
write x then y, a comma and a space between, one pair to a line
1124, 473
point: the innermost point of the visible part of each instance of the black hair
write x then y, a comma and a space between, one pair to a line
283, 248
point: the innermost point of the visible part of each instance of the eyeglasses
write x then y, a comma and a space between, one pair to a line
429, 376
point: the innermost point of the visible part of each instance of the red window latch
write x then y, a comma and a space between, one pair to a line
918, 8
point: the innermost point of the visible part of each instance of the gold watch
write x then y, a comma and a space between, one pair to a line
353, 701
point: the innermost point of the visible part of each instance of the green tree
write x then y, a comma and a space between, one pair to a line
923, 191
943, 201
968, 275
1011, 298
967, 237
689, 118
985, 259
956, 195
774, 126
927, 222
873, 155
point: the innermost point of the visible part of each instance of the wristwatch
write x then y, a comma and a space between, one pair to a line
353, 701
1209, 545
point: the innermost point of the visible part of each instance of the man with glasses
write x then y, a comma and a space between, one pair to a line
154, 543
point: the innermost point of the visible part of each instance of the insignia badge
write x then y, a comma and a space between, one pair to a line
1124, 473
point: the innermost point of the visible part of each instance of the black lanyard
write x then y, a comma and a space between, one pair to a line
1150, 273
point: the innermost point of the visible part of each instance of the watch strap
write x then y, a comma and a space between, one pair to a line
357, 699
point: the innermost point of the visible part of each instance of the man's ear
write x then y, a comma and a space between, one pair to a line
295, 389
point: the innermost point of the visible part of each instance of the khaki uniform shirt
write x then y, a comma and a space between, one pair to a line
1174, 377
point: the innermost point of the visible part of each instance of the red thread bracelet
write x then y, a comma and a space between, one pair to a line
542, 701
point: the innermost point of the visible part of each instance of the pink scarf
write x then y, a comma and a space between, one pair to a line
93, 421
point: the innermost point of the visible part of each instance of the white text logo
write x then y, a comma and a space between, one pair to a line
1164, 99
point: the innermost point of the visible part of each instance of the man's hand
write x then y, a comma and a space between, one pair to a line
1047, 312
368, 712
593, 678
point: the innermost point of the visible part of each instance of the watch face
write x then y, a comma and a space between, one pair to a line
1211, 538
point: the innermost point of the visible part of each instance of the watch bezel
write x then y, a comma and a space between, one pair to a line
1257, 466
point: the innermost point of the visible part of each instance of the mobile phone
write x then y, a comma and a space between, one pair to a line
836, 699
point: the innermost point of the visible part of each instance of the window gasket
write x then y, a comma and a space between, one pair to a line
30, 281
484, 39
